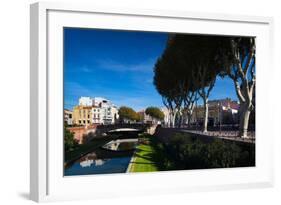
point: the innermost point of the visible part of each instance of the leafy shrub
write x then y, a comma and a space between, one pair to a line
69, 142
190, 152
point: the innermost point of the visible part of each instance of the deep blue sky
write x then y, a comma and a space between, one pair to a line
117, 65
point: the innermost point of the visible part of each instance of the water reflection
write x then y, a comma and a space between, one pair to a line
121, 145
113, 157
88, 163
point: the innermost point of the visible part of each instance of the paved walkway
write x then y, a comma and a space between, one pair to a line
230, 135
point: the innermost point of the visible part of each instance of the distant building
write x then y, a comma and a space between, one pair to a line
95, 110
147, 119
85, 101
98, 101
223, 111
226, 105
104, 111
82, 115
68, 120
97, 115
104, 114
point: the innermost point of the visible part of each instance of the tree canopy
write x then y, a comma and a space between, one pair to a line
69, 141
187, 67
238, 62
190, 65
127, 113
154, 112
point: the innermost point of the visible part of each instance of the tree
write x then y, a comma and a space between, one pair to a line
168, 85
182, 47
188, 68
173, 80
204, 51
238, 62
155, 113
139, 117
127, 113
69, 141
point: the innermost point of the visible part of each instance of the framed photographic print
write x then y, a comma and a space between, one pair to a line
128, 101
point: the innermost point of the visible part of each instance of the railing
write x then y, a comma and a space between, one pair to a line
231, 135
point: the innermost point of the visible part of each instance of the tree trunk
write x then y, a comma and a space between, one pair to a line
181, 118
244, 121
189, 117
170, 120
181, 121
206, 110
173, 119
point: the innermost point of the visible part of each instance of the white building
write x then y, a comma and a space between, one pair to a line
103, 111
68, 117
104, 114
85, 101
147, 119
97, 115
98, 101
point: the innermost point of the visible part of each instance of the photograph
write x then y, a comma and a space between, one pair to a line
143, 101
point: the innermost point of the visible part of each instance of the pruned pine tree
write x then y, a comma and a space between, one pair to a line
238, 62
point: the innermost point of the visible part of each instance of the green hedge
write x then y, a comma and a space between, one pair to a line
190, 152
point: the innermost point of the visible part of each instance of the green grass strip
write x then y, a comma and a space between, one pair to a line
144, 159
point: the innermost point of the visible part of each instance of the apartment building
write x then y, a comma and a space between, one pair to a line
85, 101
68, 117
82, 115
95, 110
222, 111
104, 112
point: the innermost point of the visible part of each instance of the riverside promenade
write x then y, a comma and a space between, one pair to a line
228, 135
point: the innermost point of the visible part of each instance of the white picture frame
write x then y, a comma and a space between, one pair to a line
47, 182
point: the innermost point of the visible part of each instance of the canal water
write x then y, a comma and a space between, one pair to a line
112, 157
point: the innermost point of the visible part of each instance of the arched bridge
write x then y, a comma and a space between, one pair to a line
115, 128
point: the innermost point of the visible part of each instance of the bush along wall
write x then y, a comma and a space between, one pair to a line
189, 151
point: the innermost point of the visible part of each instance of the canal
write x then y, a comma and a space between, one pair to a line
111, 157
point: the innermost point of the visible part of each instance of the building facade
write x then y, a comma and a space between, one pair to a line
85, 101
95, 111
82, 115
147, 119
68, 117
223, 111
